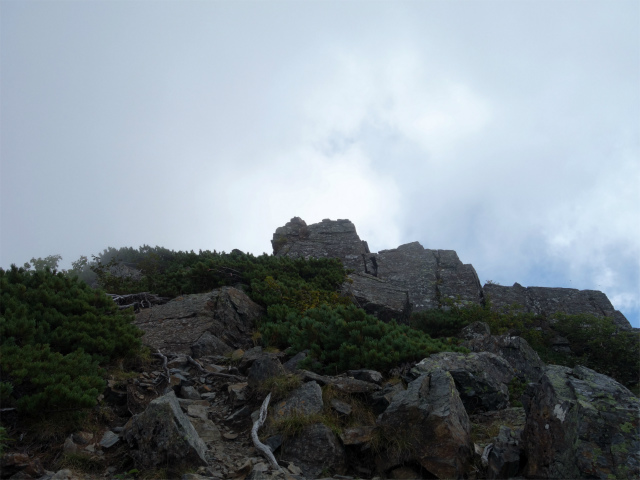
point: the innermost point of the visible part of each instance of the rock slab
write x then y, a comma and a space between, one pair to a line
163, 434
581, 424
211, 323
429, 423
482, 379
548, 301
315, 449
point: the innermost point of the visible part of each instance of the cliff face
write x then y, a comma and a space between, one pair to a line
393, 283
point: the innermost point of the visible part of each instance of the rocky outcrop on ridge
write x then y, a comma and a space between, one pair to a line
328, 239
447, 416
392, 284
547, 301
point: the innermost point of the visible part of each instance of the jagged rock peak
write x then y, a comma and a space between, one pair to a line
390, 283
393, 283
327, 239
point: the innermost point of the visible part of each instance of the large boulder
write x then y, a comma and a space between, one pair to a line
263, 368
482, 379
163, 435
548, 301
525, 361
211, 323
315, 449
581, 424
429, 425
305, 400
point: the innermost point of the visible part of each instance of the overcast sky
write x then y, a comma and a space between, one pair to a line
505, 130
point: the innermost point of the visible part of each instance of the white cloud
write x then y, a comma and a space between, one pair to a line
314, 185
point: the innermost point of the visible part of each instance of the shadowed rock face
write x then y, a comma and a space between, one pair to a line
581, 424
547, 301
163, 434
430, 421
315, 449
481, 378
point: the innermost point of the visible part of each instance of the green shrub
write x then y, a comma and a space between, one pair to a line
4, 440
345, 337
517, 388
596, 343
169, 273
55, 331
439, 323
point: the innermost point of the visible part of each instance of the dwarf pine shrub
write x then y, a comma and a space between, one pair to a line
596, 342
169, 273
55, 334
342, 337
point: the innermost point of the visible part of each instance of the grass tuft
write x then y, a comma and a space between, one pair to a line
81, 462
279, 386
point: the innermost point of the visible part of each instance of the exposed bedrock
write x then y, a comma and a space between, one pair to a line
392, 284
547, 301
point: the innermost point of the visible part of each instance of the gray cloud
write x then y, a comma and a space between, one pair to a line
505, 131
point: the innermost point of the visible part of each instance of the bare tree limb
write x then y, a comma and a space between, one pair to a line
215, 374
266, 451
164, 366
196, 364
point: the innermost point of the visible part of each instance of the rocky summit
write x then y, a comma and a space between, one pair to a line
394, 283
215, 399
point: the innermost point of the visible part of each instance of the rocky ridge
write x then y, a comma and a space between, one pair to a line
448, 416
394, 283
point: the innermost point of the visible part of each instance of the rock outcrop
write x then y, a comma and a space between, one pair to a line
379, 297
392, 284
163, 434
328, 239
430, 425
482, 379
581, 424
525, 361
211, 323
547, 301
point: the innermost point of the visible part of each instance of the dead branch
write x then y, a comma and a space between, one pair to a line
266, 451
164, 366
